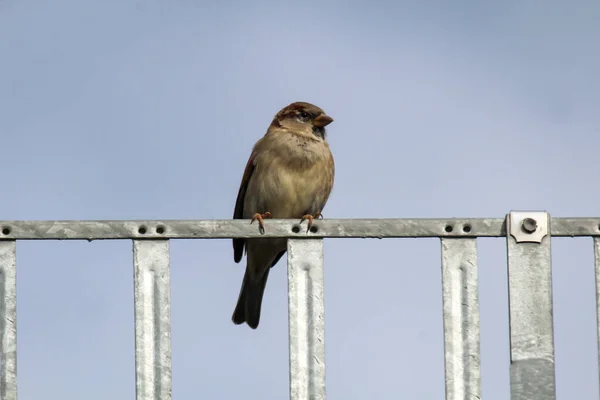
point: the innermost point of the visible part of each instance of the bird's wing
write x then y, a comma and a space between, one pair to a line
238, 213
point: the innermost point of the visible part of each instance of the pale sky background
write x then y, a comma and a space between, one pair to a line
149, 109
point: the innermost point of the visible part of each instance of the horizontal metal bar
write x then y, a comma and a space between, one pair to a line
532, 375
334, 228
152, 319
306, 319
8, 320
461, 318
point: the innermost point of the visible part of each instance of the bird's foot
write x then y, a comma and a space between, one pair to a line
259, 217
310, 219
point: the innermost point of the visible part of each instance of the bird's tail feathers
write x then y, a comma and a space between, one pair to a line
249, 301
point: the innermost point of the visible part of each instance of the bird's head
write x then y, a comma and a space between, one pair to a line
302, 118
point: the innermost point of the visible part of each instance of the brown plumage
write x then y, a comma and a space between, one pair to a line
289, 175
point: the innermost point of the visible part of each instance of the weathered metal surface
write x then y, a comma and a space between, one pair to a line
461, 319
597, 269
214, 229
306, 319
221, 229
532, 374
8, 320
528, 238
152, 319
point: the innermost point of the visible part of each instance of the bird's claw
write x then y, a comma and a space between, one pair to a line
310, 219
259, 217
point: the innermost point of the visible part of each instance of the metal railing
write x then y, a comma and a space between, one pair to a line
528, 238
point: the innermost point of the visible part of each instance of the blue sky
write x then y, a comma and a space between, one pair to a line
147, 109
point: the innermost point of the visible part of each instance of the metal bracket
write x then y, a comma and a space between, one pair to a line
528, 226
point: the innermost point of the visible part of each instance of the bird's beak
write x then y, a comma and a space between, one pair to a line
322, 121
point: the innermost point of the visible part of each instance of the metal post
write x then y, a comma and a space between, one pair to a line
532, 375
8, 320
306, 319
597, 269
461, 319
152, 320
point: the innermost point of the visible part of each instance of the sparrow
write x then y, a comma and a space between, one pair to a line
289, 174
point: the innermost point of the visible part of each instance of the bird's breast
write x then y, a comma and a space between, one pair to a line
290, 185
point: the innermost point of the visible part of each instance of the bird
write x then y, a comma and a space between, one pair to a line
289, 174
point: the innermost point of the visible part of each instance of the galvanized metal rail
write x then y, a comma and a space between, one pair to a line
528, 237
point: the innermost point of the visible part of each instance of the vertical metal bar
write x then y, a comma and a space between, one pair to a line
152, 320
461, 319
597, 268
532, 374
306, 319
8, 320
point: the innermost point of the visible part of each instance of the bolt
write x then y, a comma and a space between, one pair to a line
529, 225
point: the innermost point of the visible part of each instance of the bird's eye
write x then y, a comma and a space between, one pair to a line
303, 115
